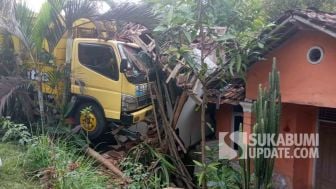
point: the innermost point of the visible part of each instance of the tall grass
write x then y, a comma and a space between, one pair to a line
61, 166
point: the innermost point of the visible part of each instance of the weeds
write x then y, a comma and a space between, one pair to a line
15, 132
218, 174
60, 166
57, 163
147, 168
12, 173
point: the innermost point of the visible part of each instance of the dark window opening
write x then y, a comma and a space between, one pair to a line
99, 58
237, 123
315, 55
327, 114
146, 38
137, 64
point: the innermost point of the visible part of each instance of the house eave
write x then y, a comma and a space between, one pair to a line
315, 26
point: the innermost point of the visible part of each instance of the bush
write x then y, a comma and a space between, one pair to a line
60, 166
147, 168
14, 132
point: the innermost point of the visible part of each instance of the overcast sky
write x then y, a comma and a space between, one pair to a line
36, 4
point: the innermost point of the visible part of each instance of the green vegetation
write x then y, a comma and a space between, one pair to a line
267, 110
14, 132
219, 174
47, 164
147, 168
54, 163
59, 165
12, 173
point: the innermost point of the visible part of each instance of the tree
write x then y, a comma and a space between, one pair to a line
190, 25
41, 32
17, 20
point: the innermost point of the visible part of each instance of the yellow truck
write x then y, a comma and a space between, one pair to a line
106, 76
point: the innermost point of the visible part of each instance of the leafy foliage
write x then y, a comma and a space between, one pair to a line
14, 99
8, 60
179, 33
147, 167
137, 172
131, 12
15, 132
219, 174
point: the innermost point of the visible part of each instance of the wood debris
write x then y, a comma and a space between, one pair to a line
170, 107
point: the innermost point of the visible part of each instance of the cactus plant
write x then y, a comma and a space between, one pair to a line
267, 110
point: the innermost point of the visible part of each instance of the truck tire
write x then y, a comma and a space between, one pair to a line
93, 121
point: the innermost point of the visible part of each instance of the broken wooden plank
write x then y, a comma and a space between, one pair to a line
182, 100
171, 143
166, 68
169, 105
150, 87
196, 98
173, 74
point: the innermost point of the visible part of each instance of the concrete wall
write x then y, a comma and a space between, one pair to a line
300, 81
297, 119
224, 118
306, 122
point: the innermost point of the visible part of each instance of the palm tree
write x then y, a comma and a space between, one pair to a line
54, 20
16, 19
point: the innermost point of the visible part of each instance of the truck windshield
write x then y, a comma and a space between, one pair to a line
136, 69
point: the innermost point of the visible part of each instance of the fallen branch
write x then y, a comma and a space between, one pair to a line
91, 152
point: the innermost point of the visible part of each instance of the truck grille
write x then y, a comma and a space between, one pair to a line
144, 100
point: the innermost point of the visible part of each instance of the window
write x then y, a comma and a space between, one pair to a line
136, 63
99, 58
237, 122
315, 55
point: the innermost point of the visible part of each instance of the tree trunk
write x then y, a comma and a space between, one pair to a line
67, 72
203, 122
204, 101
40, 100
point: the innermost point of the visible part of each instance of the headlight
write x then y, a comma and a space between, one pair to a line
129, 103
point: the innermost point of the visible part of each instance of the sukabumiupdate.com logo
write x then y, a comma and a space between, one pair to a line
241, 145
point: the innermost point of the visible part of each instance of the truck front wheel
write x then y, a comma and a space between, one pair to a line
91, 118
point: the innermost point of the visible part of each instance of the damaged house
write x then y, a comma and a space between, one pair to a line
304, 44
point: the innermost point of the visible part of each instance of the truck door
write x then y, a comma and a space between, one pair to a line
95, 74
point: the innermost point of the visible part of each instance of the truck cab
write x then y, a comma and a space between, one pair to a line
107, 79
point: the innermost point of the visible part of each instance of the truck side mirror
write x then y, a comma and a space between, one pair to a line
123, 65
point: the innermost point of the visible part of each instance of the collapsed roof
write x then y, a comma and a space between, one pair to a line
185, 76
